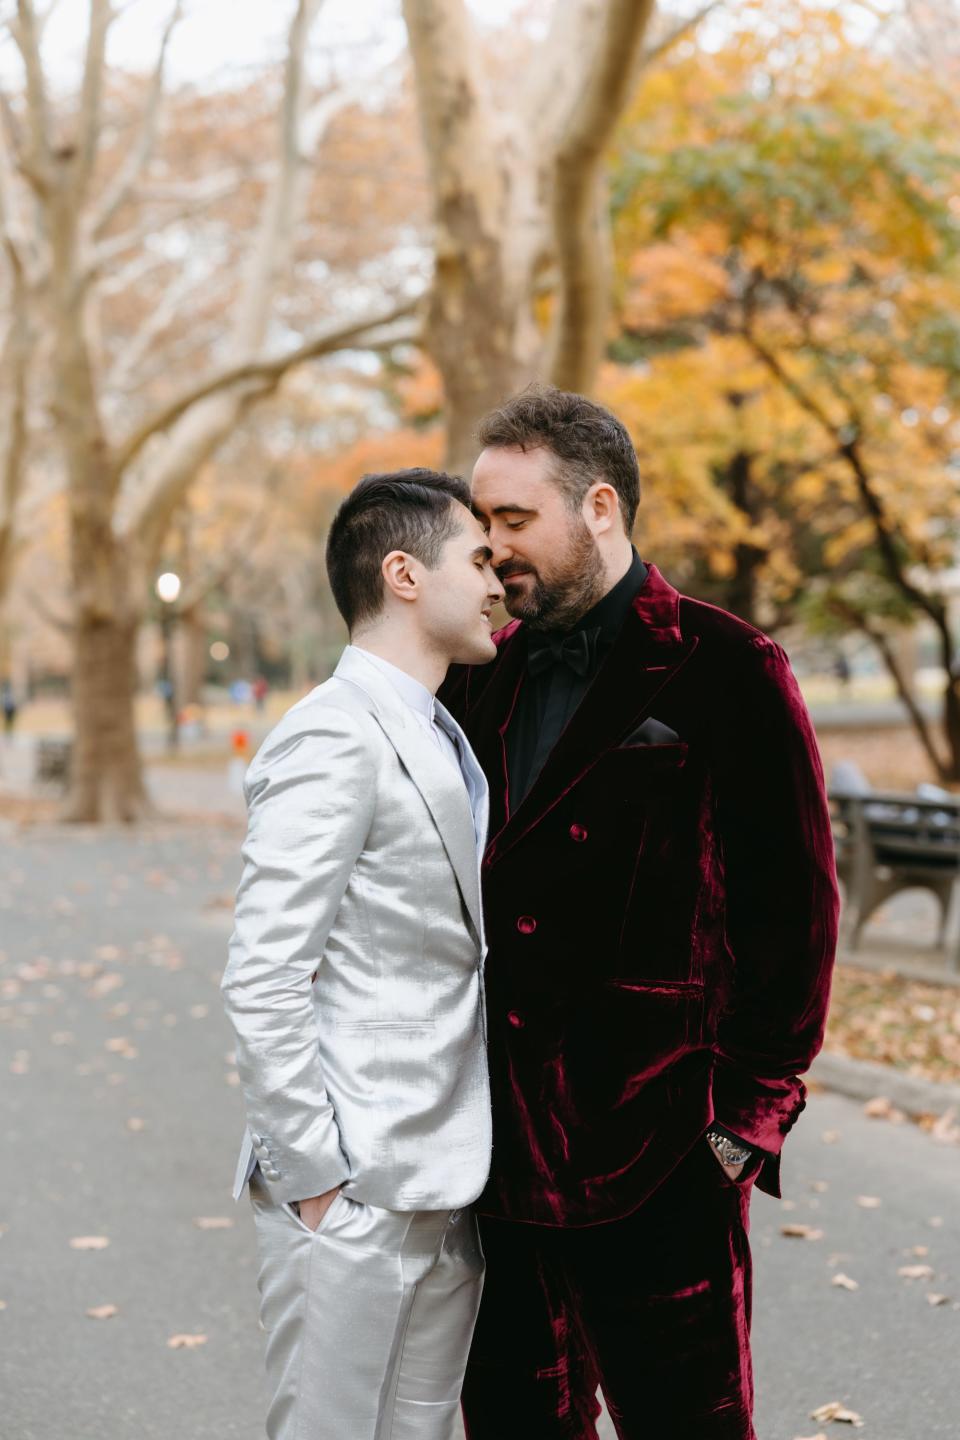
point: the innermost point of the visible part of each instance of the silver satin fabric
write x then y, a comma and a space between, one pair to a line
354, 981
368, 1319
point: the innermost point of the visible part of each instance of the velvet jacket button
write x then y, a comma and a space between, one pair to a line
517, 1021
526, 924
578, 832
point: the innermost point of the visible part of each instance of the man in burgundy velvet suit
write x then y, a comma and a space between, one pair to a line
661, 918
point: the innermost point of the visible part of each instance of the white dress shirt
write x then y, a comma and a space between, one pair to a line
438, 723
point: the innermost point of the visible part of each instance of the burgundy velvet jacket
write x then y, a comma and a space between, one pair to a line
661, 919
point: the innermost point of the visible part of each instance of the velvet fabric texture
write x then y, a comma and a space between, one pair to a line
661, 918
653, 1309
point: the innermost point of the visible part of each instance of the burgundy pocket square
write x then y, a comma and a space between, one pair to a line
652, 732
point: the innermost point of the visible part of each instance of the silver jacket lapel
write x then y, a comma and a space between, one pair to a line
440, 785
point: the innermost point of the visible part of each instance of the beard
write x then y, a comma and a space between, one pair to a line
560, 596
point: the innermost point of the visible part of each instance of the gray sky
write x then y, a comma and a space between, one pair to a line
220, 39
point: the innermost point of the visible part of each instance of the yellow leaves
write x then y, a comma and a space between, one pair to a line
421, 390
668, 282
186, 1342
102, 1312
386, 450
89, 1242
795, 1230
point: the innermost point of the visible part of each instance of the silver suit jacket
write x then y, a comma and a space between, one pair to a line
355, 975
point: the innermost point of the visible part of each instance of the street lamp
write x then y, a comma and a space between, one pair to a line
168, 589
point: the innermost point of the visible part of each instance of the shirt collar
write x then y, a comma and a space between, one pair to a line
610, 612
411, 692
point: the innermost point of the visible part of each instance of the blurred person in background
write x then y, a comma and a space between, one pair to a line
355, 986
661, 912
8, 704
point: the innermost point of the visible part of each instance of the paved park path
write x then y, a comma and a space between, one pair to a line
120, 1117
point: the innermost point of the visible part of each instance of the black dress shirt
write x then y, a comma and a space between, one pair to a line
552, 689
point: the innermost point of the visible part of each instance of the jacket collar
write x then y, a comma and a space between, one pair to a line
647, 654
443, 792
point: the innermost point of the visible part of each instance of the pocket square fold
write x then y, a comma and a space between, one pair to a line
652, 732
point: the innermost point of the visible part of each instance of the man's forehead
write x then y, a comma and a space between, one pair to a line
505, 480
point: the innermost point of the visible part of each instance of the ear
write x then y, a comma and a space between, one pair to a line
399, 575
601, 508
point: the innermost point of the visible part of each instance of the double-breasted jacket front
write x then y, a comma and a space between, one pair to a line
661, 918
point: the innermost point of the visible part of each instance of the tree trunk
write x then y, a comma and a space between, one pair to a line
951, 700
190, 655
747, 558
875, 634
106, 779
474, 342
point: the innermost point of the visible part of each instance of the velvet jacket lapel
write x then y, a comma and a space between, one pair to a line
647, 654
442, 789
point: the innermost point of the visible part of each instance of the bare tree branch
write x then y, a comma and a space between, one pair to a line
860, 620
656, 52
846, 442
119, 192
611, 37
256, 371
36, 157
270, 252
91, 99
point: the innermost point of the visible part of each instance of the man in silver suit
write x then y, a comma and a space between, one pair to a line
355, 986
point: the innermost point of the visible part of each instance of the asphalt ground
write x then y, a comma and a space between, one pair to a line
120, 1118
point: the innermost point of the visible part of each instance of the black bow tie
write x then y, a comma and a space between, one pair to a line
577, 650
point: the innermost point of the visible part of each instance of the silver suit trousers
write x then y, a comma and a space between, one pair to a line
368, 1318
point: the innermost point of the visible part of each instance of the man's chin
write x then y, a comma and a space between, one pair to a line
478, 652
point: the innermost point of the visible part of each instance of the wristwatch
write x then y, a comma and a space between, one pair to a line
729, 1151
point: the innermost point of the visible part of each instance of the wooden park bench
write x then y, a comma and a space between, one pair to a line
51, 764
888, 842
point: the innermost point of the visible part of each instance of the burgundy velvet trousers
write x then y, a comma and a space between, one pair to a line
653, 1309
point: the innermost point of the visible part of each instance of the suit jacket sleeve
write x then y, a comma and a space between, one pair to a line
310, 800
781, 903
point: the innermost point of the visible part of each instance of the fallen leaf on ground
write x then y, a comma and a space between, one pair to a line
878, 1108
186, 1342
919, 1250
945, 1128
935, 1299
3, 1304
844, 1282
821, 1436
213, 1222
135, 1124
869, 1202
120, 1045
819, 1185
833, 1410
796, 1231
916, 1272
102, 1312
830, 1137
89, 1242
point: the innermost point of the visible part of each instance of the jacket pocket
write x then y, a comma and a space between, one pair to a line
659, 987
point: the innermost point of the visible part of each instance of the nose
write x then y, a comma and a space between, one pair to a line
497, 591
501, 547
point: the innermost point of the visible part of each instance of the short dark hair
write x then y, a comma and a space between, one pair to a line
410, 510
590, 443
